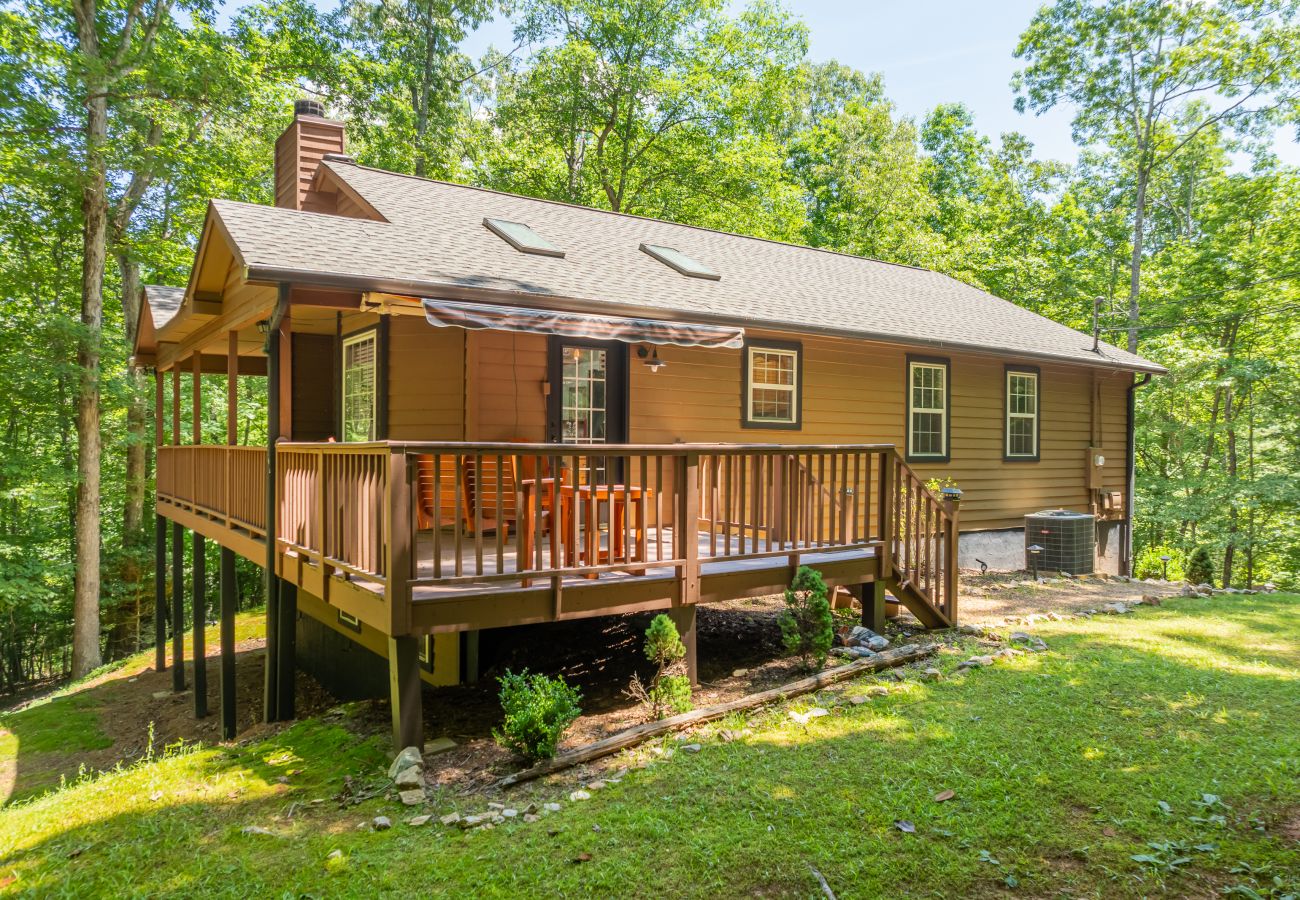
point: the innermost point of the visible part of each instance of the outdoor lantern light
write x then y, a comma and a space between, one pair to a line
264, 326
950, 493
1034, 550
653, 362
1164, 567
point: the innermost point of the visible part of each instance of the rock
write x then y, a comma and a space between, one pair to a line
803, 718
861, 636
971, 629
450, 819
257, 829
159, 695
381, 823
690, 748
579, 795
877, 690
975, 662
1268, 587
552, 807
529, 809
933, 674
531, 818
334, 854
498, 819
1150, 599
595, 785
508, 813
410, 756
468, 822
739, 673
439, 745
728, 735
496, 807
410, 777
860, 652
417, 821
1115, 609
1021, 636
859, 700
413, 797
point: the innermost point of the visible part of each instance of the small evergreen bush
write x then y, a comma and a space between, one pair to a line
667, 693
807, 626
1200, 568
538, 710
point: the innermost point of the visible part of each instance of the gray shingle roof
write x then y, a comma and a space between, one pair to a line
435, 244
164, 302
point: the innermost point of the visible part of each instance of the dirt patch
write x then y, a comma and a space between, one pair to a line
991, 598
1289, 824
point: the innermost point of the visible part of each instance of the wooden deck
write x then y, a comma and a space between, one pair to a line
454, 521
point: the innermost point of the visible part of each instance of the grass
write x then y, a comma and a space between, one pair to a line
1149, 753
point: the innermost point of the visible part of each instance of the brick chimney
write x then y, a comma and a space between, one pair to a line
298, 152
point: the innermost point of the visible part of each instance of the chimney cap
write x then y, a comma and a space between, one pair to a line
308, 107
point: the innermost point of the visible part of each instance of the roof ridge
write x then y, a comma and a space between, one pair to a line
609, 212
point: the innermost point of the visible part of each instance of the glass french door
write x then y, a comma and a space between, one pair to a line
588, 400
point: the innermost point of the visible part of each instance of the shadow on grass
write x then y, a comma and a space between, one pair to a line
1064, 765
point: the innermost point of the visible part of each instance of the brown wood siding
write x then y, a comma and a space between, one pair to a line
426, 381
853, 392
314, 417
298, 152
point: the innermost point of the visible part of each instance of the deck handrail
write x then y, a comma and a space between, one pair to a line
354, 511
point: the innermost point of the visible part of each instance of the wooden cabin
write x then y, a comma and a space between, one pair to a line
492, 410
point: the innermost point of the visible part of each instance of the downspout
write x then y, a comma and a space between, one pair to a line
1130, 475
271, 691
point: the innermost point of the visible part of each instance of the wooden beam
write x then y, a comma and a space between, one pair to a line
304, 295
285, 379
198, 647
176, 406
196, 410
160, 593
404, 692
178, 608
158, 422
232, 389
228, 602
205, 307
632, 736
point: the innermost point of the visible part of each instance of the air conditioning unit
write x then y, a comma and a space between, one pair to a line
1068, 539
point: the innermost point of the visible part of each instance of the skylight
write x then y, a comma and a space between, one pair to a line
522, 238
675, 259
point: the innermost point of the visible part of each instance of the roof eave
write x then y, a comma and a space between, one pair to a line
454, 291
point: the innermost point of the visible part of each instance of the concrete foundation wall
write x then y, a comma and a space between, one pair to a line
1004, 549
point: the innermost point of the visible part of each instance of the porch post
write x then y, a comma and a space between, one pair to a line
178, 607
404, 691
232, 390
684, 618
271, 686
160, 541
288, 633
872, 597
199, 650
228, 590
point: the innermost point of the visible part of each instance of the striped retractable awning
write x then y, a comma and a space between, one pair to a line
478, 316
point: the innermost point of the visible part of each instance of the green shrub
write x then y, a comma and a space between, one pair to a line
538, 710
807, 626
666, 693
1148, 564
1200, 568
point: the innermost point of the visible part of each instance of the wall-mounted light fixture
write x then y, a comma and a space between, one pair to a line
652, 360
264, 326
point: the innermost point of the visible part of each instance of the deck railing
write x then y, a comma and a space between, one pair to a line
401, 516
225, 484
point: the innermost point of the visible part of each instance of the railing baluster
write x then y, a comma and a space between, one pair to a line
501, 515
458, 499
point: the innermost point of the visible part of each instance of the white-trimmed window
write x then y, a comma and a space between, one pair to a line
359, 387
772, 376
1022, 414
927, 409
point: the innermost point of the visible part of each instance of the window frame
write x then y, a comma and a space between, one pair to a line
371, 333
937, 362
1008, 371
747, 420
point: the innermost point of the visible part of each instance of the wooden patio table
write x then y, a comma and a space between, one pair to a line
588, 497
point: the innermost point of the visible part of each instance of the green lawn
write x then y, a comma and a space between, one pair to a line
1152, 753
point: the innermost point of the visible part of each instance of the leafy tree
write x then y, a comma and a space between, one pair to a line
807, 626
1139, 75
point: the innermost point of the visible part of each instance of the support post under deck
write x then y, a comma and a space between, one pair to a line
287, 635
404, 691
684, 618
178, 608
228, 591
872, 598
160, 593
199, 648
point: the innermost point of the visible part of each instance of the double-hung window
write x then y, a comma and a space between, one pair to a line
927, 409
359, 351
772, 376
1021, 430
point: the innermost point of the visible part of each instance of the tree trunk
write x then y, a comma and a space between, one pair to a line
1135, 262
94, 208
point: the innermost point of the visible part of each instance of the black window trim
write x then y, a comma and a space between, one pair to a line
1006, 413
765, 344
946, 363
